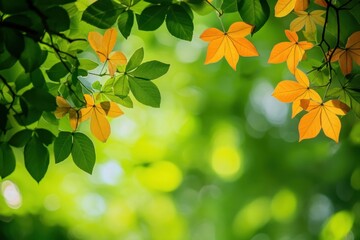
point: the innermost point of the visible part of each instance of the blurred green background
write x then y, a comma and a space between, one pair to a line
219, 160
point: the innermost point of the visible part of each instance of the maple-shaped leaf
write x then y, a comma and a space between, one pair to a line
284, 7
309, 20
99, 125
349, 54
63, 108
292, 52
321, 116
229, 44
103, 46
291, 91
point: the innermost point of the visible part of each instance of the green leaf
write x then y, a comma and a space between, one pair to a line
28, 115
96, 85
58, 71
36, 157
121, 86
254, 12
62, 146
20, 138
150, 70
83, 152
125, 101
32, 56
87, 64
7, 160
45, 136
3, 120
22, 81
37, 78
57, 19
179, 22
151, 17
126, 22
201, 7
14, 42
135, 60
102, 14
46, 3
229, 6
6, 60
40, 99
145, 92
11, 7
108, 86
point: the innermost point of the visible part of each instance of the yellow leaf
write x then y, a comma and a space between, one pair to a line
321, 116
292, 52
309, 20
349, 54
229, 44
291, 91
103, 46
99, 125
284, 7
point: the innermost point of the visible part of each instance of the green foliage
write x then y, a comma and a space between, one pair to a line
36, 158
255, 12
62, 146
83, 152
7, 160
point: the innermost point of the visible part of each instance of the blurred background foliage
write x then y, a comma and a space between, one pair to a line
220, 159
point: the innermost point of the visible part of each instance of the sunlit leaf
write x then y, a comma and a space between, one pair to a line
292, 52
229, 44
103, 46
307, 20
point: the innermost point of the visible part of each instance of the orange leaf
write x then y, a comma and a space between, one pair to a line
349, 54
322, 3
291, 91
64, 108
229, 44
103, 45
292, 52
284, 7
321, 116
99, 125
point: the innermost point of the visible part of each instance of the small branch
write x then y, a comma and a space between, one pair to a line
220, 12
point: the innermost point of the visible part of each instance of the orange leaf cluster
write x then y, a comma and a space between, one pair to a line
103, 46
292, 52
349, 54
99, 125
291, 91
321, 116
230, 44
284, 7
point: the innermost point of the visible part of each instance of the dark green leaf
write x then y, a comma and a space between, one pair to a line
7, 160
20, 138
36, 157
3, 120
46, 3
28, 115
40, 99
150, 70
135, 60
145, 92
57, 19
14, 42
22, 81
58, 71
151, 17
83, 152
11, 7
102, 14
37, 78
45, 136
179, 22
32, 56
229, 6
121, 86
254, 12
125, 23
6, 60
62, 146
